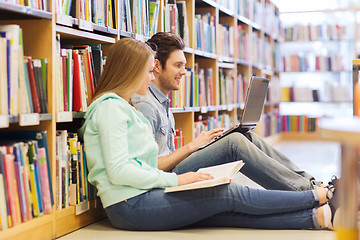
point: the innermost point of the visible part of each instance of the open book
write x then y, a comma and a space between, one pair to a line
222, 175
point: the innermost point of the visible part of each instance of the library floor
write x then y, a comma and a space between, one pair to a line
321, 159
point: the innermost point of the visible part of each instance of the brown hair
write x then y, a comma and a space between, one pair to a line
165, 43
124, 64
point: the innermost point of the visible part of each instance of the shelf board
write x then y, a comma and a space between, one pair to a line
313, 102
226, 65
41, 226
80, 36
208, 2
242, 62
244, 20
126, 34
15, 11
29, 119
201, 53
182, 110
226, 59
66, 221
224, 10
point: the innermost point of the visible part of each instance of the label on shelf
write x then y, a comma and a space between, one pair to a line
85, 25
230, 107
29, 119
64, 20
64, 117
82, 207
140, 37
4, 121
203, 109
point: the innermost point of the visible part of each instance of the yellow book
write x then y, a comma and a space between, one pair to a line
73, 196
34, 202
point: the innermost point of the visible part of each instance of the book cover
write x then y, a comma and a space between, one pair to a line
77, 94
222, 174
33, 88
4, 106
11, 186
4, 210
65, 80
19, 173
40, 85
44, 179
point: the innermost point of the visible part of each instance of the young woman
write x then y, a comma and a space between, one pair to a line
122, 161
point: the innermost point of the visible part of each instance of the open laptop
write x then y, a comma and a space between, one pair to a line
254, 103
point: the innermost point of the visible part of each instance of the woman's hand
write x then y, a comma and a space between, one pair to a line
205, 137
191, 177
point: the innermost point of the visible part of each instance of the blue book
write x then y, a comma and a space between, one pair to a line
37, 178
19, 163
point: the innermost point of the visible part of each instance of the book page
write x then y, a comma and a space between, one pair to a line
223, 170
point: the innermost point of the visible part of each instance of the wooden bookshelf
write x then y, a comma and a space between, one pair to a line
40, 29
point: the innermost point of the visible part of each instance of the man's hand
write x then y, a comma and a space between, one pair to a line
204, 137
191, 177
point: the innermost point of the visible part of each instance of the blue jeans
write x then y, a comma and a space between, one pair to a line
263, 164
230, 205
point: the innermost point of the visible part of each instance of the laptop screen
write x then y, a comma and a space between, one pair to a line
255, 98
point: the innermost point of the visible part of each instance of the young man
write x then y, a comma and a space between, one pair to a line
263, 164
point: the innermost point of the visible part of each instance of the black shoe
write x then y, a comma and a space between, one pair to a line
334, 201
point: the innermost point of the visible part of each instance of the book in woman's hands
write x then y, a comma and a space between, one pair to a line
222, 174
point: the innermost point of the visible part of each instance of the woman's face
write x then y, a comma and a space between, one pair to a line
147, 77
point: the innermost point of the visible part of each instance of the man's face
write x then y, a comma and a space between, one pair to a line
169, 77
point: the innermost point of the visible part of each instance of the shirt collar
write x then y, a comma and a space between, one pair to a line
158, 94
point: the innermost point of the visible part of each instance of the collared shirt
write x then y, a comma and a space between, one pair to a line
156, 108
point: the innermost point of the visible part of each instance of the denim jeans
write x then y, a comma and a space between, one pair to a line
263, 164
230, 205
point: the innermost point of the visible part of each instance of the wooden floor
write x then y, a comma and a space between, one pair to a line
321, 159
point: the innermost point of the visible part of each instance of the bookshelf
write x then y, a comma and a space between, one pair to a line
222, 65
315, 77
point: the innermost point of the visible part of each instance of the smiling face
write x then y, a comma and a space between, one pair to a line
147, 77
168, 78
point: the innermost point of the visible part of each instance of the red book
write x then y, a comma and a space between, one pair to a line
76, 82
34, 92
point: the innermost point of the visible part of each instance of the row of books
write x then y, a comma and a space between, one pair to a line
205, 25
242, 43
329, 93
312, 32
25, 180
23, 79
300, 63
269, 124
78, 71
298, 123
179, 138
196, 88
175, 19
72, 186
226, 86
184, 97
274, 91
206, 123
101, 12
37, 4
263, 13
225, 40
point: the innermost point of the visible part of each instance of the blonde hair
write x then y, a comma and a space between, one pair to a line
124, 65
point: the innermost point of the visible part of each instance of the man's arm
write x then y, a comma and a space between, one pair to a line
168, 162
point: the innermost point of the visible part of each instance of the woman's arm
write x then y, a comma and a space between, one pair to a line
112, 121
168, 162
